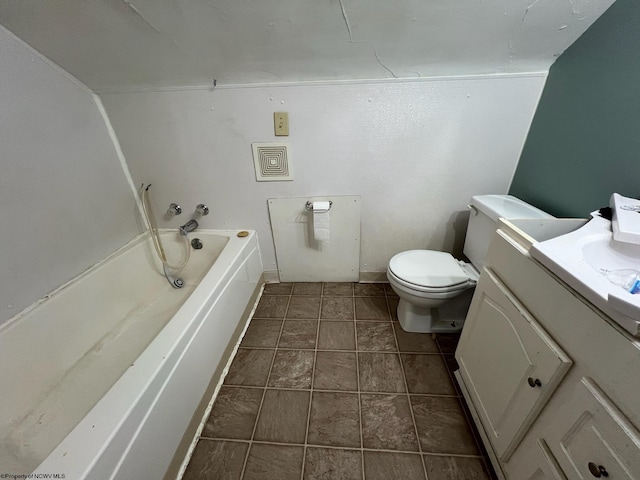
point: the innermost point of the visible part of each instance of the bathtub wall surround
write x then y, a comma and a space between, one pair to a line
66, 202
415, 151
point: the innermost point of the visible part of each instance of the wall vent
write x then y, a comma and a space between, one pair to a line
272, 162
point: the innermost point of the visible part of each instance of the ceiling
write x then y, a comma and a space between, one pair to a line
125, 45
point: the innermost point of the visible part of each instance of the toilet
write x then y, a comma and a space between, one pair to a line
428, 281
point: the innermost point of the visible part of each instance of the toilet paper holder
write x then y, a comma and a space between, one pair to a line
309, 206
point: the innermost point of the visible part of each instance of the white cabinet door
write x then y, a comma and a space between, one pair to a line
539, 464
591, 438
508, 363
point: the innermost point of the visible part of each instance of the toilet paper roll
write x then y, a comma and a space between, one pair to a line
321, 221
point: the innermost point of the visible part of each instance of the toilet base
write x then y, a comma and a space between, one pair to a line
448, 318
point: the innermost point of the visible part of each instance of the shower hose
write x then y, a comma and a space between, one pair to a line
150, 216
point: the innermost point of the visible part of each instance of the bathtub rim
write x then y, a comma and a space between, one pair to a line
132, 243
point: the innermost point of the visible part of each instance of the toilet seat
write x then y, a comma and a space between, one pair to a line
431, 271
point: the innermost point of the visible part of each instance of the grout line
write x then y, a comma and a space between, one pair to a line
407, 352
406, 386
366, 392
334, 447
355, 337
313, 375
264, 393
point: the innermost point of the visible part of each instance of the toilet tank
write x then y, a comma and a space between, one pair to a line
483, 222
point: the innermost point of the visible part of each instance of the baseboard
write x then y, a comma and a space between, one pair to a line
271, 276
373, 277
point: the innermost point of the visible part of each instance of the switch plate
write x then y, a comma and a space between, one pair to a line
281, 124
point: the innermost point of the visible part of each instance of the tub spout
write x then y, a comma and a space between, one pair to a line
190, 226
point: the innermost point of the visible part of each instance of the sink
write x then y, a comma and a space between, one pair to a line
579, 257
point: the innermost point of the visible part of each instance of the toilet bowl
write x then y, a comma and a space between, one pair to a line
424, 280
432, 285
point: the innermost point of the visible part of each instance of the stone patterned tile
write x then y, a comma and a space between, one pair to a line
309, 288
304, 307
213, 459
448, 342
393, 307
334, 420
336, 335
455, 468
272, 306
337, 308
442, 426
278, 288
274, 462
262, 333
380, 372
337, 289
332, 464
299, 334
427, 374
250, 368
336, 371
387, 465
234, 413
414, 342
387, 423
451, 363
368, 290
292, 369
283, 417
375, 337
372, 308
388, 290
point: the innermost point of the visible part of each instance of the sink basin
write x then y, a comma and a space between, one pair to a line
579, 258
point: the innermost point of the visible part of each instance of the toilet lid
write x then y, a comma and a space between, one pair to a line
428, 268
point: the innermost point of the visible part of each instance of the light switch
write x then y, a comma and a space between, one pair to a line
281, 124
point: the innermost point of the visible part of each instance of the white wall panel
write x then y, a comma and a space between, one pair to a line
65, 202
414, 151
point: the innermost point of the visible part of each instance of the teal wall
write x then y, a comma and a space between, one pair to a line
584, 142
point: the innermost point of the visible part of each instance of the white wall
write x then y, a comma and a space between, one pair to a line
65, 202
414, 151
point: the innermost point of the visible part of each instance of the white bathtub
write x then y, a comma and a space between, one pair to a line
106, 377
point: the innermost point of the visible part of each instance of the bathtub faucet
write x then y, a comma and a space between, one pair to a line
190, 226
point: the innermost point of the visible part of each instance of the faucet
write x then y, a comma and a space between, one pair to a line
190, 226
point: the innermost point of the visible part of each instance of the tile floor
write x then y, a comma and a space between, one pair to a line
326, 385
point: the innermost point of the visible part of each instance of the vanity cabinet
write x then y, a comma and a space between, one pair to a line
509, 363
552, 383
591, 438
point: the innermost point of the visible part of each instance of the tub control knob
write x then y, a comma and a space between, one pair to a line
174, 209
202, 209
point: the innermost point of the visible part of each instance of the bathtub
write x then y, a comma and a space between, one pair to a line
108, 376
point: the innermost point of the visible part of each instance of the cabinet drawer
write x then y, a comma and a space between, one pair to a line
591, 436
508, 363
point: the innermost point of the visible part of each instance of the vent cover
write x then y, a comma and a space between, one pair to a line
272, 162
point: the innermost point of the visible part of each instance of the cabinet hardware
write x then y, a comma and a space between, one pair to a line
597, 470
534, 383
